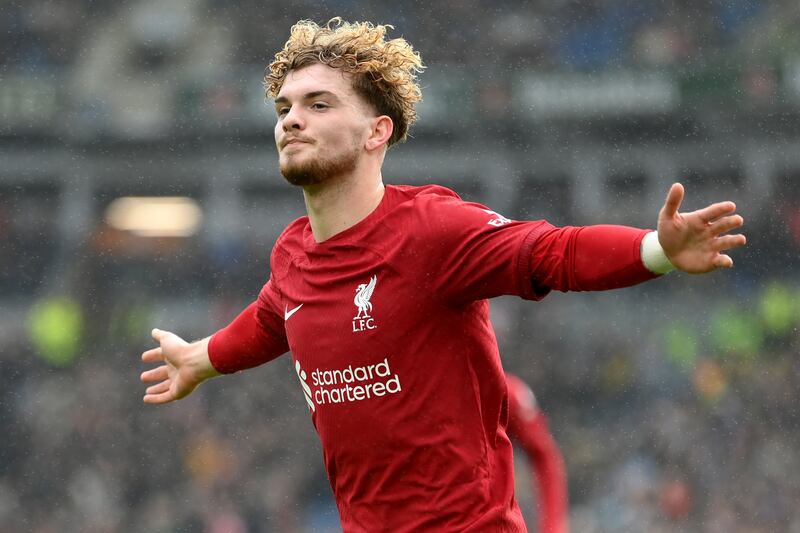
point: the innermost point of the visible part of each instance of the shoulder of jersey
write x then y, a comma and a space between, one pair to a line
425, 191
422, 198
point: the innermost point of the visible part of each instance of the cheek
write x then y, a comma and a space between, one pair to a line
347, 137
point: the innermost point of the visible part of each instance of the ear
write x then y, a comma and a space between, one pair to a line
382, 128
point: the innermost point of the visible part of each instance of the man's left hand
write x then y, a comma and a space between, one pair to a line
694, 242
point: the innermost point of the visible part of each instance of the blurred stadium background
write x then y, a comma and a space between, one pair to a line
675, 403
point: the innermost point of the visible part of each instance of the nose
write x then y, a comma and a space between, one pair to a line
293, 119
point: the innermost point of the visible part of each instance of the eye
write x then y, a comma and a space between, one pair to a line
319, 106
282, 110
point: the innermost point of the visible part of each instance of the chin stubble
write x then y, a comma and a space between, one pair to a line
320, 169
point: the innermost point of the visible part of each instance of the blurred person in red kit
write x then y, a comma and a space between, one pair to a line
529, 429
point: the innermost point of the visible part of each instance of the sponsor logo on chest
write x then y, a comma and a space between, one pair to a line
352, 383
363, 301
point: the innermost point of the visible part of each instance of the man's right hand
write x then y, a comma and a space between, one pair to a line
186, 365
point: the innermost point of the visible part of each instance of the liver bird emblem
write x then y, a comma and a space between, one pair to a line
362, 299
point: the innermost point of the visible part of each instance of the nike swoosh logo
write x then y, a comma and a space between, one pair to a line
287, 314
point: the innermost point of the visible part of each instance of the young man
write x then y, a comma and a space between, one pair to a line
527, 426
380, 294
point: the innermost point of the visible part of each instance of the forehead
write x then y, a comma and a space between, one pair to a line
316, 77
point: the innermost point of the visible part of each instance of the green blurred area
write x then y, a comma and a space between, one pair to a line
55, 327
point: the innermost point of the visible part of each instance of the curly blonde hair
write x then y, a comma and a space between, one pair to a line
384, 72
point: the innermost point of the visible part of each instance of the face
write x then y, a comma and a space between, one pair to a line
322, 125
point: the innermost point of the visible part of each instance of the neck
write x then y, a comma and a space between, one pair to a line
341, 203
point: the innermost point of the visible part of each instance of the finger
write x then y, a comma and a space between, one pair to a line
158, 388
723, 261
156, 374
714, 211
158, 334
164, 397
153, 356
725, 224
729, 242
674, 200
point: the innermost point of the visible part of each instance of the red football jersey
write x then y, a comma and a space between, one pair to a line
388, 326
527, 426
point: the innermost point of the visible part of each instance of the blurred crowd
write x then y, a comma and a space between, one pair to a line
697, 432
668, 420
45, 34
79, 69
675, 403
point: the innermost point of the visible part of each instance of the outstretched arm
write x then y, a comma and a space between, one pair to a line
186, 365
607, 257
694, 242
253, 338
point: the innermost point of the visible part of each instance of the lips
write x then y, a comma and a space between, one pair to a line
293, 141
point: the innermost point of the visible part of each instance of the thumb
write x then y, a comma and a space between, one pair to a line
673, 201
161, 336
158, 334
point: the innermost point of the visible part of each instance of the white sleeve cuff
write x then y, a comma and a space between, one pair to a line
653, 255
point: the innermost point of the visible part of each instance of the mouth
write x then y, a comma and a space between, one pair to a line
291, 142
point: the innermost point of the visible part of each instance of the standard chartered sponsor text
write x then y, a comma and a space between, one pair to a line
352, 384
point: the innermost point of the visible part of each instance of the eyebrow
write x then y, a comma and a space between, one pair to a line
307, 96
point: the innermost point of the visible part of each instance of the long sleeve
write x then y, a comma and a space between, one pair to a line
588, 258
254, 337
477, 253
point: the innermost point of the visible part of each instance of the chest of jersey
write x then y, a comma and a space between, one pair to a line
347, 322
330, 307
